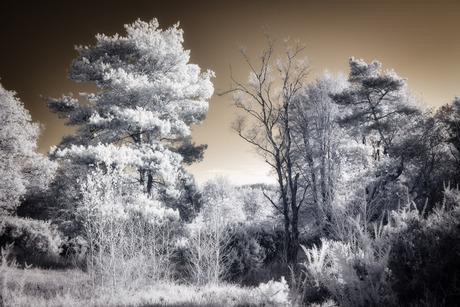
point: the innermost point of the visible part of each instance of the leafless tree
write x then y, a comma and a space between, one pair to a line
266, 99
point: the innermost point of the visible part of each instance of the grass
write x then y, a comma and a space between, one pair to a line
38, 287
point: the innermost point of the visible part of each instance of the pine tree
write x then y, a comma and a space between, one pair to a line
139, 117
382, 114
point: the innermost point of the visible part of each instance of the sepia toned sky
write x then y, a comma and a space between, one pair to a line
419, 39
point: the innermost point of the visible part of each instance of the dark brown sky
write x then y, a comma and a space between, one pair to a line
420, 39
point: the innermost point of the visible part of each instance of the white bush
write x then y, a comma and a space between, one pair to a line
273, 293
128, 234
355, 273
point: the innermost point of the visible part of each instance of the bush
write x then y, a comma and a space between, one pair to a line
354, 271
273, 293
129, 235
425, 255
252, 250
35, 242
411, 261
351, 275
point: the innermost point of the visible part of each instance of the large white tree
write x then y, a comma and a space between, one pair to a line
21, 167
139, 117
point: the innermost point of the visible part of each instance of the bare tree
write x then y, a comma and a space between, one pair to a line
210, 233
266, 99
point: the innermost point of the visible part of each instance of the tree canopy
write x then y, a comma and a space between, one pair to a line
147, 97
21, 167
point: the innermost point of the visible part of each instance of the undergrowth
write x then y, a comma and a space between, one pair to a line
39, 287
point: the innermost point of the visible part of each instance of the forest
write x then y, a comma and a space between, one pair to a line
365, 210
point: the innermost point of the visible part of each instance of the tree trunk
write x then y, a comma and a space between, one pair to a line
149, 183
294, 241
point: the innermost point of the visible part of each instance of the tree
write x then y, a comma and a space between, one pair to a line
269, 109
448, 118
376, 102
210, 232
380, 112
317, 140
129, 236
21, 168
147, 97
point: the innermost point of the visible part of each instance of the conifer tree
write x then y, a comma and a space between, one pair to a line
139, 117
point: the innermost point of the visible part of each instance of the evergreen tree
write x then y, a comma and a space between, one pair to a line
139, 118
380, 112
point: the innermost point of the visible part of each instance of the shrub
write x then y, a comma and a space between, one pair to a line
425, 255
36, 242
412, 260
273, 293
353, 272
129, 235
251, 249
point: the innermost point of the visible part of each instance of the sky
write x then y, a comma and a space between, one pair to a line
419, 39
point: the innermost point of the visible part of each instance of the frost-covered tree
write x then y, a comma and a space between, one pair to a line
139, 117
318, 141
380, 112
210, 232
21, 168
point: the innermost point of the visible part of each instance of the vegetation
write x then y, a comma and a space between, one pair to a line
365, 212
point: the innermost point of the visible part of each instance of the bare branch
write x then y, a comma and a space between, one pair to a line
272, 202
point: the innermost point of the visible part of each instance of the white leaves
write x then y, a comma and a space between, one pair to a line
273, 293
221, 203
354, 274
147, 69
110, 194
126, 81
360, 69
156, 158
148, 96
21, 168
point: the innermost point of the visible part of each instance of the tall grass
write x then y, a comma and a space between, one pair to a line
36, 287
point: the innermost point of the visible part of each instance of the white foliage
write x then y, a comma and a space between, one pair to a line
148, 97
21, 168
209, 232
110, 195
162, 162
257, 210
221, 203
356, 272
128, 233
273, 293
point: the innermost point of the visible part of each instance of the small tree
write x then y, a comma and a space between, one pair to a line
210, 232
21, 168
318, 141
269, 109
129, 235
